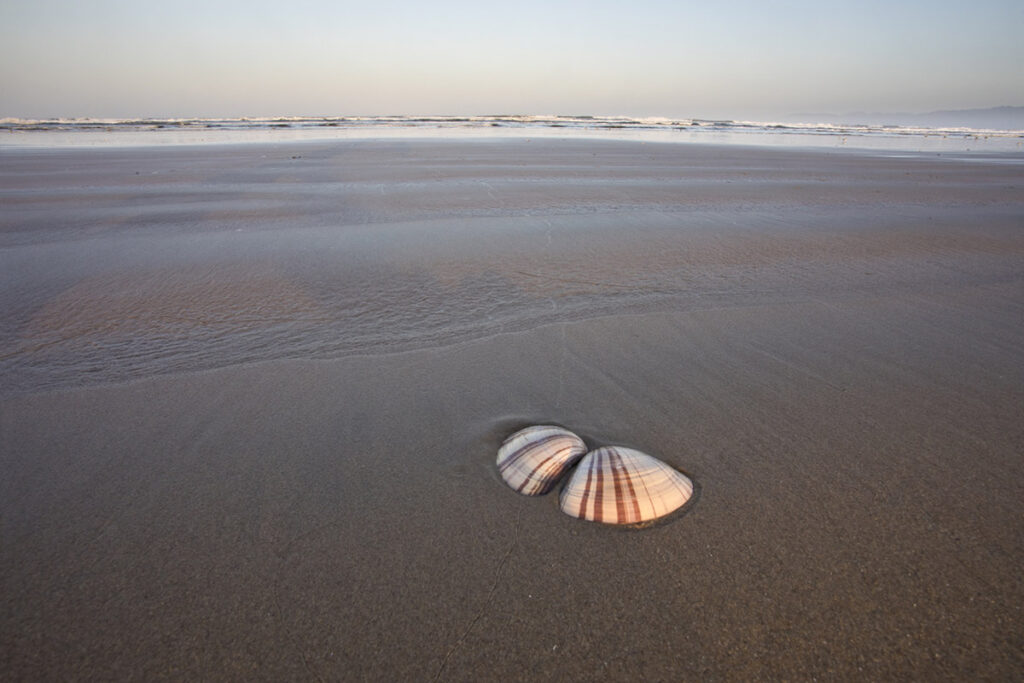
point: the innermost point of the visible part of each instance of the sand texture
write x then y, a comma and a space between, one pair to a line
252, 398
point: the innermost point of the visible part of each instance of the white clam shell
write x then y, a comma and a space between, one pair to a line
618, 485
533, 459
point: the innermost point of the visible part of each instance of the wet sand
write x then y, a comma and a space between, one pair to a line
271, 457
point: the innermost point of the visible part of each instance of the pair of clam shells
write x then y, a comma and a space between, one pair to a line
612, 484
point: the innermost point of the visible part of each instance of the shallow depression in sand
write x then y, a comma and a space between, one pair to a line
131, 263
170, 302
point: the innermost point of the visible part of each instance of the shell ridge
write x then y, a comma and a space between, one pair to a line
681, 484
686, 485
670, 486
599, 489
647, 495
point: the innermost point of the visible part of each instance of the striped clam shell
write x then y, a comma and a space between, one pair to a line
533, 459
618, 485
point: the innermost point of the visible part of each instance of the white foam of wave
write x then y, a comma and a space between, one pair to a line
134, 131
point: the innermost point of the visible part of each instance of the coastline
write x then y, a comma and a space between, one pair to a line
828, 344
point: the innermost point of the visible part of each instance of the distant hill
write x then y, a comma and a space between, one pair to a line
999, 118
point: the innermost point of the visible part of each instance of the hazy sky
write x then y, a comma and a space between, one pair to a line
735, 59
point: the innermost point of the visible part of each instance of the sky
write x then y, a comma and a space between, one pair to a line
707, 59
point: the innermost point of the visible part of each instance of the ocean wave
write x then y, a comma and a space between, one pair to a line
525, 121
61, 132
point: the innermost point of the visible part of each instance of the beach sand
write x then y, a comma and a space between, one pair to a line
254, 394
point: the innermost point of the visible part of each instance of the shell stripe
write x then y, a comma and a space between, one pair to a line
550, 468
534, 459
582, 511
615, 460
599, 489
627, 476
518, 454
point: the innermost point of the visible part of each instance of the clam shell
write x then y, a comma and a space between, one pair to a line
618, 485
533, 459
